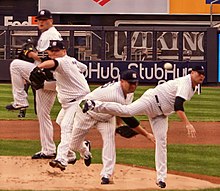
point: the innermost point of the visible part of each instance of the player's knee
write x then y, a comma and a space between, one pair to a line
14, 64
74, 146
67, 129
161, 140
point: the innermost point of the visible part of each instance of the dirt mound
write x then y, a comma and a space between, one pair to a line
22, 173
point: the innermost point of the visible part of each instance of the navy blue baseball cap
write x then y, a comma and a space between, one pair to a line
56, 44
130, 76
199, 69
44, 14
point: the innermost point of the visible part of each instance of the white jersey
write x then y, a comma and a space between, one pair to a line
44, 40
167, 92
111, 92
71, 83
147, 103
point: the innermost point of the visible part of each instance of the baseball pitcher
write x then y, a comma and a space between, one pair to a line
120, 92
71, 87
45, 96
158, 104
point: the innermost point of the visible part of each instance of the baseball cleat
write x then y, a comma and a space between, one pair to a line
72, 161
57, 164
105, 180
87, 105
88, 158
16, 107
22, 113
41, 155
161, 184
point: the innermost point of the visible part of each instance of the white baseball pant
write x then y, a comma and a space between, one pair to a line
21, 70
82, 123
159, 126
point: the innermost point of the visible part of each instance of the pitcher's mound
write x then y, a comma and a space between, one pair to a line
22, 173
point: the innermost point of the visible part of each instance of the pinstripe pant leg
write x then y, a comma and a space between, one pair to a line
107, 130
20, 71
66, 124
159, 127
45, 100
82, 123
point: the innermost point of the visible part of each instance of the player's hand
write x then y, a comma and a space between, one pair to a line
151, 137
191, 131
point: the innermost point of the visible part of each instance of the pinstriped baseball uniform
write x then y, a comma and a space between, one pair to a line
157, 109
45, 98
44, 40
105, 124
71, 88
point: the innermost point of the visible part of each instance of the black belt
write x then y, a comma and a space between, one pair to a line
72, 100
158, 103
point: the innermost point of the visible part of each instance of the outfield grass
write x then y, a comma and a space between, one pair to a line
204, 107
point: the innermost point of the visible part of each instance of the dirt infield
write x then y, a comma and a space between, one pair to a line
38, 175
24, 173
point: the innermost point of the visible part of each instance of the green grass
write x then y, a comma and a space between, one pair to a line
204, 107
197, 159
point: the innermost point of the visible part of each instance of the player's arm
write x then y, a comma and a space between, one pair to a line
34, 55
139, 129
179, 109
49, 64
133, 123
82, 67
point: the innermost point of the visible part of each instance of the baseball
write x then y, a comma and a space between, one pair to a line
168, 66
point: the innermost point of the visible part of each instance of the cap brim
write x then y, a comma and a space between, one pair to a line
43, 18
132, 81
55, 47
201, 72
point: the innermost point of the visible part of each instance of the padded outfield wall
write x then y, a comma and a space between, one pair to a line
121, 50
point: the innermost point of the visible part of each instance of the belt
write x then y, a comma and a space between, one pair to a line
72, 100
158, 103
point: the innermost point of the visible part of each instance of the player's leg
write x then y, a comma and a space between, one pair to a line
142, 106
45, 100
19, 70
159, 127
22, 111
65, 120
82, 123
107, 130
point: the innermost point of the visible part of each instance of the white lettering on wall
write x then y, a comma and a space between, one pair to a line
103, 71
8, 21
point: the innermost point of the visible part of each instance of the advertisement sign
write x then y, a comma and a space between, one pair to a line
101, 72
193, 7
105, 6
149, 72
212, 1
9, 21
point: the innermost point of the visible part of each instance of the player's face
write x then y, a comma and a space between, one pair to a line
50, 54
56, 53
197, 78
44, 24
128, 87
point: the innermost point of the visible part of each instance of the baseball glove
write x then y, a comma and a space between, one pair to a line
37, 78
27, 47
126, 131
49, 75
